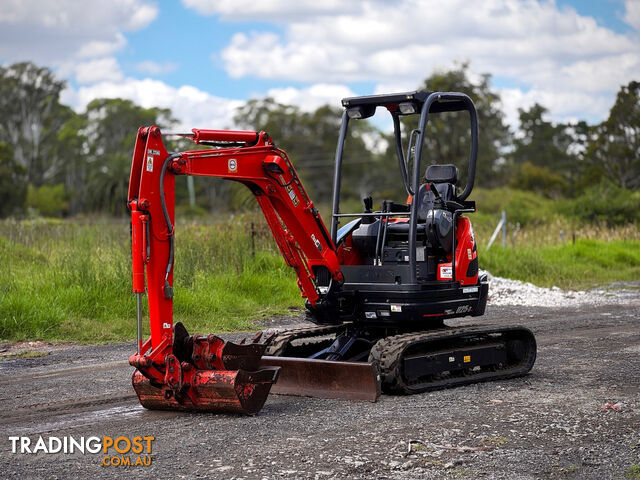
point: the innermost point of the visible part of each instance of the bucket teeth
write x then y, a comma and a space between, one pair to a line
245, 354
242, 356
203, 372
182, 342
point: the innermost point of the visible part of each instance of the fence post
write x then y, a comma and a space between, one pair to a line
502, 224
192, 192
504, 229
253, 241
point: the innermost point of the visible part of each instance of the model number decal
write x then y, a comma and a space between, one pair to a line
446, 272
317, 242
292, 195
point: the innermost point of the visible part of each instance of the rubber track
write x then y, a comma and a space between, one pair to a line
387, 355
284, 337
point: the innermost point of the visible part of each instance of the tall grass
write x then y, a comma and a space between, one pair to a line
72, 280
585, 264
557, 231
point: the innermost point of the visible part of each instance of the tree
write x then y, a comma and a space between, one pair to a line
538, 179
71, 152
616, 144
448, 134
13, 189
31, 117
310, 140
111, 129
543, 143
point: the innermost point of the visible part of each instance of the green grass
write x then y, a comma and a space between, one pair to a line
587, 263
71, 280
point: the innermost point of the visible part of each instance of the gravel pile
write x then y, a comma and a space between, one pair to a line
503, 291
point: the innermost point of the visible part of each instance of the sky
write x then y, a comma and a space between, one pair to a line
204, 58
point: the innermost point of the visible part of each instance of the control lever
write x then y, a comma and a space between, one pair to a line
440, 203
368, 208
368, 204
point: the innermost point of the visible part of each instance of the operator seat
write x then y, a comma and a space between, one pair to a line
444, 178
434, 225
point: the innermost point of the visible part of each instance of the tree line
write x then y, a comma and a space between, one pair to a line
58, 162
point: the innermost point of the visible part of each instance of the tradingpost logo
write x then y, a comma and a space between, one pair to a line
122, 451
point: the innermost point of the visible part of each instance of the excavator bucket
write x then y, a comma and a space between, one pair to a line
306, 377
224, 391
204, 373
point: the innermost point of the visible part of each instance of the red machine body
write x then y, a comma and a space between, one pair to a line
378, 288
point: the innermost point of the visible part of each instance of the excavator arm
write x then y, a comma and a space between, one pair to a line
170, 363
252, 160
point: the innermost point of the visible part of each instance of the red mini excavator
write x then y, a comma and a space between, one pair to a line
378, 288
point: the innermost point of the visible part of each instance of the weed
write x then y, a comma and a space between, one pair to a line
72, 280
633, 472
23, 354
495, 441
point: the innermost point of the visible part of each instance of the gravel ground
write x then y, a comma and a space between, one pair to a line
576, 415
503, 291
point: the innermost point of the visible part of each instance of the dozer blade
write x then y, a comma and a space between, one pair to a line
325, 379
224, 391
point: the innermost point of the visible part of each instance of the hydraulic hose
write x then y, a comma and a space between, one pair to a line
168, 289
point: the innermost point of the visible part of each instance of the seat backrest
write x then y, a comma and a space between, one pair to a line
442, 174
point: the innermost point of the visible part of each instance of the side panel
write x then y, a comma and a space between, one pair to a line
466, 256
466, 253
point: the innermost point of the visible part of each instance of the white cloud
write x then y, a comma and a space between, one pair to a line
155, 68
99, 70
313, 97
193, 108
267, 9
401, 39
561, 57
632, 14
51, 32
99, 48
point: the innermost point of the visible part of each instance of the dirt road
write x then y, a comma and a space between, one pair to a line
546, 425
